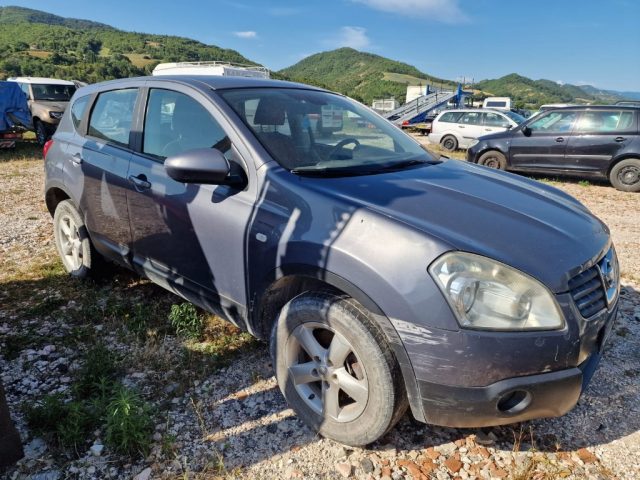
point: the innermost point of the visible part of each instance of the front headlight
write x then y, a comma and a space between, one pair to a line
473, 142
55, 115
487, 294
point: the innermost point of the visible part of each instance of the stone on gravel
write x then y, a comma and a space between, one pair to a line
344, 469
143, 475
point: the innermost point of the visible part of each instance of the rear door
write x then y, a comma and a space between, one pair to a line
190, 238
543, 148
101, 159
598, 137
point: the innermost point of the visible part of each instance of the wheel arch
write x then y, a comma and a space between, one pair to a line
294, 280
53, 196
625, 156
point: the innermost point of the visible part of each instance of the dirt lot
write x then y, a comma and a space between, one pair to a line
206, 405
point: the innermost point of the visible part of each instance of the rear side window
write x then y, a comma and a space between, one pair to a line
112, 114
77, 110
604, 121
450, 117
496, 104
175, 123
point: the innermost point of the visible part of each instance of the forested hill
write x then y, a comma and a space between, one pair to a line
360, 75
35, 43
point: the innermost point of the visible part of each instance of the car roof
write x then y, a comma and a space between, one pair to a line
215, 82
595, 107
464, 110
41, 80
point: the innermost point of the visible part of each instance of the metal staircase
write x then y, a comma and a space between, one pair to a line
419, 106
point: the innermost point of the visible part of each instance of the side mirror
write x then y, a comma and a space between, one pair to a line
526, 131
203, 165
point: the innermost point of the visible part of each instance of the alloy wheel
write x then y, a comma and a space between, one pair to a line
327, 373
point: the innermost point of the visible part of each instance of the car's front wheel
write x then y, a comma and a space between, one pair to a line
335, 368
72, 241
493, 159
625, 175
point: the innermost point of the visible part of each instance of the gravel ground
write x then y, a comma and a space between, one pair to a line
231, 421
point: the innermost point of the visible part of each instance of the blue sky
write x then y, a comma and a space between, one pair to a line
572, 41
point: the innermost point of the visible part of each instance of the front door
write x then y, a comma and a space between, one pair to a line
469, 128
189, 238
542, 146
598, 137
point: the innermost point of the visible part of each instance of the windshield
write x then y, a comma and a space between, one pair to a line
46, 91
312, 132
516, 117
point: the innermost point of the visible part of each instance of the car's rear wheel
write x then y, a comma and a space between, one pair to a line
335, 368
625, 175
493, 159
42, 134
72, 241
449, 143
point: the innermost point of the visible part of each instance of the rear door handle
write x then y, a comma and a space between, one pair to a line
560, 139
460, 126
76, 158
620, 139
140, 182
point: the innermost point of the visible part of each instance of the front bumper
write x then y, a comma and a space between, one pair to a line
513, 399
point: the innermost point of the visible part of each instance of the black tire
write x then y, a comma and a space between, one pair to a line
449, 143
87, 261
625, 175
493, 159
42, 132
337, 320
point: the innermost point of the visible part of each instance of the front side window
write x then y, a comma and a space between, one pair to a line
52, 92
175, 123
25, 88
495, 120
554, 122
77, 110
604, 121
112, 114
310, 132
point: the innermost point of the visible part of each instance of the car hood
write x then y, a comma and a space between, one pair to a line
523, 223
52, 105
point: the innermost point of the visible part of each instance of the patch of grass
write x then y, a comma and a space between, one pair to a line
584, 183
100, 368
45, 307
99, 400
186, 320
623, 332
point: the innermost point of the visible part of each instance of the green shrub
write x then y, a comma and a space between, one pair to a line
186, 320
99, 369
128, 423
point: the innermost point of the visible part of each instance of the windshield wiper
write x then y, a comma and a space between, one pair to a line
329, 172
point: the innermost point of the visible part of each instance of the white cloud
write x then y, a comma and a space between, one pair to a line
354, 37
247, 34
442, 10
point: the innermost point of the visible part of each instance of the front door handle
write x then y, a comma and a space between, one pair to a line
76, 158
140, 182
560, 139
460, 126
620, 139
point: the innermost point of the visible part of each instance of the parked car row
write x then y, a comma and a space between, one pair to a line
382, 277
585, 141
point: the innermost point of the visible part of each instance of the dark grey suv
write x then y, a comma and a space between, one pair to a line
383, 278
592, 142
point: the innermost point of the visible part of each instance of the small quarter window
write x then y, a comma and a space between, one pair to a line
112, 115
77, 110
